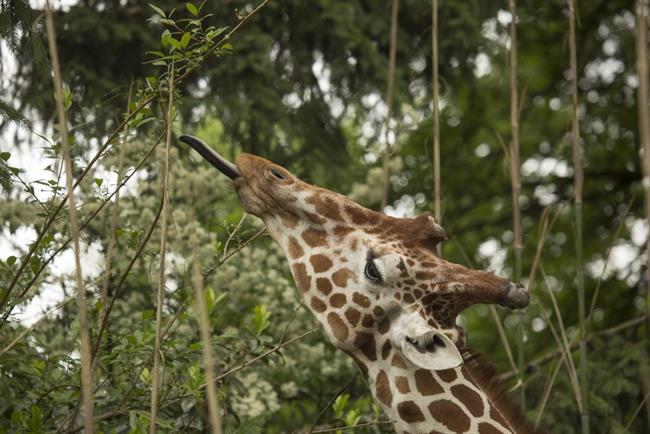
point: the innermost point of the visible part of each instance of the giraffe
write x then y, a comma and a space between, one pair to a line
384, 297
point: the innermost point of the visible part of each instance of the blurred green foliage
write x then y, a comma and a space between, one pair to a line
303, 87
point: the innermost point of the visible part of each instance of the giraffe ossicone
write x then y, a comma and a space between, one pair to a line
384, 297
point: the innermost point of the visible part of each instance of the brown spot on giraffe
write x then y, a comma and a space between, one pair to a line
315, 238
366, 343
402, 384
318, 305
341, 277
426, 384
471, 399
353, 316
338, 327
303, 280
338, 300
447, 375
383, 326
342, 231
450, 415
410, 412
386, 349
361, 299
324, 285
321, 263
398, 362
382, 385
325, 206
294, 249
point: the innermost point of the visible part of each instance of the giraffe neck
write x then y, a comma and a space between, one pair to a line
459, 400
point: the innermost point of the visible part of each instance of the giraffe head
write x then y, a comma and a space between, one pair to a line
367, 277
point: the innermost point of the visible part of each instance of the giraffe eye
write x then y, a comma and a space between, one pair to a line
277, 173
371, 272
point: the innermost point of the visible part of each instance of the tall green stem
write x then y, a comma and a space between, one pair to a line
578, 181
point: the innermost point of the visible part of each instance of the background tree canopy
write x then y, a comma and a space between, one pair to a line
303, 85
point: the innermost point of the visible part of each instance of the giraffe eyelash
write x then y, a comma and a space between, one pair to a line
371, 272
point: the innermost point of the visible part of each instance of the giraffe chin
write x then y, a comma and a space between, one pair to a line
249, 200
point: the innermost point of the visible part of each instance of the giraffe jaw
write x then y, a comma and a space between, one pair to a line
224, 166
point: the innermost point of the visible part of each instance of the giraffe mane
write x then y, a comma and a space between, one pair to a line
484, 373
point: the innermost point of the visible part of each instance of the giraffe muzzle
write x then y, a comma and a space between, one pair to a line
221, 164
515, 296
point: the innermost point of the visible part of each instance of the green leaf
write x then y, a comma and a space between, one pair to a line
164, 38
339, 405
11, 260
67, 97
261, 317
5, 155
157, 10
99, 182
174, 42
185, 39
192, 9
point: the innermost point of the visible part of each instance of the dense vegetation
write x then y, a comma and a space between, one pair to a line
301, 83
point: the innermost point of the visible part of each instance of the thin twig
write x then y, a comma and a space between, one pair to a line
208, 360
503, 337
86, 373
31, 327
114, 214
240, 247
232, 234
352, 427
610, 248
636, 412
390, 90
261, 356
155, 374
329, 404
547, 391
563, 342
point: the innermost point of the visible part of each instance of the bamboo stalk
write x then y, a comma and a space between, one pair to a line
436, 113
208, 360
644, 120
86, 372
390, 90
516, 188
163, 245
578, 183
641, 42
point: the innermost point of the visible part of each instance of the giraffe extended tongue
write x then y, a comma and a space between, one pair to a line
224, 166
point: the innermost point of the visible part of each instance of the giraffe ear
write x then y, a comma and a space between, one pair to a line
428, 347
